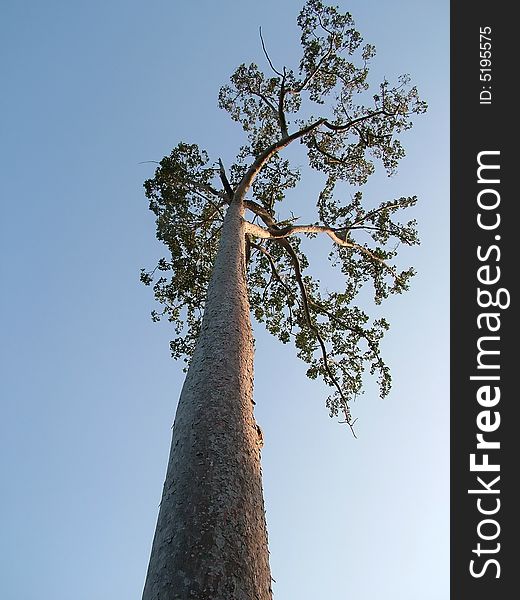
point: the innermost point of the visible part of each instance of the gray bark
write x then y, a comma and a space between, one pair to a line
211, 541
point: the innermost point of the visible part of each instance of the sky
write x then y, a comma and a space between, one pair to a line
92, 90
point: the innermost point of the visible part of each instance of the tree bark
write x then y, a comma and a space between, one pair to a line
210, 541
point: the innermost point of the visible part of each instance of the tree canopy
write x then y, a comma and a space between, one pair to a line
347, 128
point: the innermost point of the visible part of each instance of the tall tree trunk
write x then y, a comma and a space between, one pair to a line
210, 541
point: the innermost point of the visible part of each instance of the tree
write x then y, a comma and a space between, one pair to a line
231, 254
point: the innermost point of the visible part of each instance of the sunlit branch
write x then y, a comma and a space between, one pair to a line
264, 156
285, 232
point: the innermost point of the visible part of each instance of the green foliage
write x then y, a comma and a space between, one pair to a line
189, 195
189, 224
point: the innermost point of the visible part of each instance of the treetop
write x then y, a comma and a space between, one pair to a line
321, 103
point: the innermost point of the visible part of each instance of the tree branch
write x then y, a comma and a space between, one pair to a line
281, 113
316, 70
277, 276
257, 231
332, 158
264, 156
314, 328
274, 270
373, 212
346, 82
225, 181
266, 54
265, 99
359, 330
282, 233
353, 122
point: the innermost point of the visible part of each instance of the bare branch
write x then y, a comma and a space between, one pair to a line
224, 179
267, 55
261, 212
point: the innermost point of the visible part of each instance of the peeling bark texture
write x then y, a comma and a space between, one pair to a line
211, 541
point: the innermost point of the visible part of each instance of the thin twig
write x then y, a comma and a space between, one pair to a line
267, 55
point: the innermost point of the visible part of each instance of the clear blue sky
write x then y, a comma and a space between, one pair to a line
91, 89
